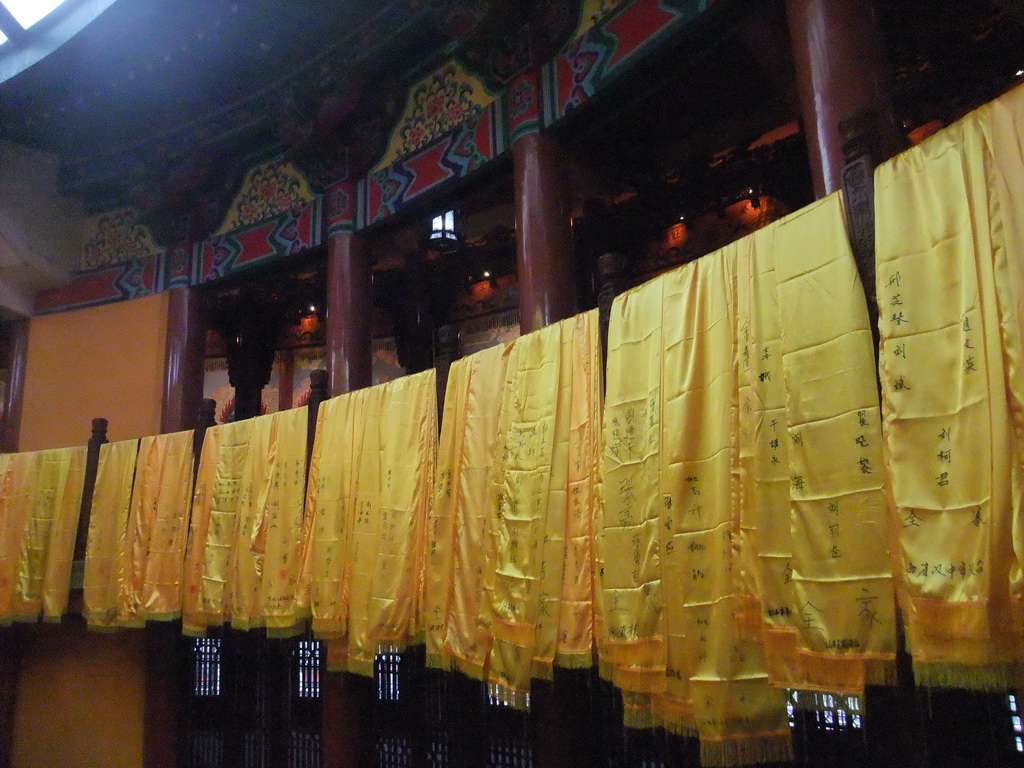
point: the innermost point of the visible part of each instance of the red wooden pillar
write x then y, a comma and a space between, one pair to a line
349, 312
841, 70
544, 256
17, 357
184, 351
347, 700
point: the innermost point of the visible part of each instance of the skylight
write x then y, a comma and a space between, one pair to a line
28, 12
23, 43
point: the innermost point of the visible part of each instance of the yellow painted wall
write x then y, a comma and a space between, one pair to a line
80, 699
103, 361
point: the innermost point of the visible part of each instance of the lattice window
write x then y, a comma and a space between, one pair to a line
438, 753
510, 753
206, 748
831, 711
308, 655
393, 751
254, 749
386, 666
1015, 718
207, 666
304, 750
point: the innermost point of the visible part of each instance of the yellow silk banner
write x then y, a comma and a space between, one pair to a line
108, 525
816, 448
542, 497
394, 487
949, 272
39, 508
460, 560
213, 526
370, 488
577, 622
633, 640
676, 618
266, 557
154, 552
323, 589
738, 716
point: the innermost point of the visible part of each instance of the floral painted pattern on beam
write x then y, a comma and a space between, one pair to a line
115, 237
440, 103
267, 191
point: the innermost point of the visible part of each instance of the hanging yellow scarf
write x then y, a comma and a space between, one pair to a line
266, 555
323, 589
108, 525
576, 623
949, 287
459, 557
812, 436
212, 530
676, 617
633, 641
541, 608
42, 497
371, 481
738, 716
157, 528
393, 489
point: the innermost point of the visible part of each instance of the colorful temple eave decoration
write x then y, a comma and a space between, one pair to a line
116, 237
454, 156
267, 190
289, 232
274, 215
452, 125
438, 104
121, 282
608, 48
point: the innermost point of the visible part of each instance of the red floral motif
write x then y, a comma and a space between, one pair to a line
414, 137
118, 240
436, 107
269, 191
456, 113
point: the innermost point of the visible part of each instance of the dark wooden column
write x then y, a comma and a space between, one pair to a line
349, 312
17, 357
250, 363
207, 418
347, 699
348, 720
447, 353
286, 380
610, 281
544, 255
10, 665
841, 70
184, 351
561, 719
318, 392
92, 461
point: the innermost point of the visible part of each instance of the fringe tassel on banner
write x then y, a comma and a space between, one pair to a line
989, 678
753, 750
